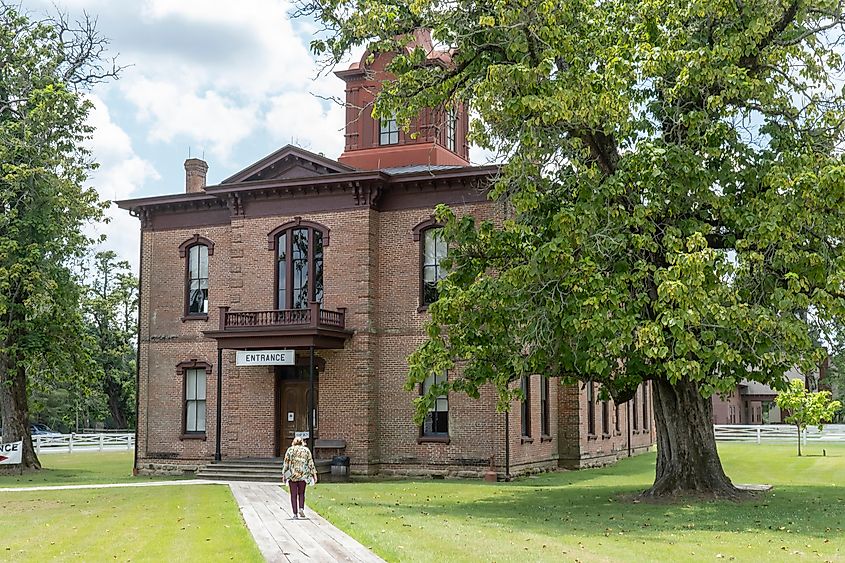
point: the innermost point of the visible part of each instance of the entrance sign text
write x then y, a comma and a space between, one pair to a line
11, 453
265, 358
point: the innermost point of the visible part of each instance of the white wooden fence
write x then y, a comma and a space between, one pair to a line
760, 433
82, 442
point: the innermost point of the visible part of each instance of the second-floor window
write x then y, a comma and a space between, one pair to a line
434, 251
197, 281
388, 132
299, 267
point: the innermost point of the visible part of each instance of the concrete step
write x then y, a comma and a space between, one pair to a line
252, 470
236, 467
234, 476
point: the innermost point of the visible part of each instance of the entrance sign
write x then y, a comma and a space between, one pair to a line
10, 454
303, 435
265, 358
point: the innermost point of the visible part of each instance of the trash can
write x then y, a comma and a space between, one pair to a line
340, 467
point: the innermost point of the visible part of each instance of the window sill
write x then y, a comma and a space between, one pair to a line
202, 317
605, 436
433, 440
198, 436
592, 437
635, 432
422, 309
526, 440
545, 438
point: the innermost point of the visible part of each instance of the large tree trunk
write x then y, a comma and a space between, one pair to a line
116, 404
687, 460
15, 412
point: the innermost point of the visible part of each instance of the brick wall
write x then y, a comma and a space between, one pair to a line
371, 267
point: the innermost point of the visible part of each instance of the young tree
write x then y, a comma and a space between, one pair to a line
675, 186
806, 408
43, 204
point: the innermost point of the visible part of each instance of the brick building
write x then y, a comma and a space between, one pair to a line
335, 260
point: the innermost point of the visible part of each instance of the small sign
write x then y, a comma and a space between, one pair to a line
303, 435
11, 453
265, 358
290, 417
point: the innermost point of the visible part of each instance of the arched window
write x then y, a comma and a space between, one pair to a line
299, 249
196, 250
433, 250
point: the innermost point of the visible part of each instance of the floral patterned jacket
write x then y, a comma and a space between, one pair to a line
299, 466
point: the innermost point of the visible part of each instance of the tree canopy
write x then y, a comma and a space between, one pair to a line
675, 191
44, 203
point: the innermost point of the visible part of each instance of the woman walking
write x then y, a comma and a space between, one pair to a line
297, 471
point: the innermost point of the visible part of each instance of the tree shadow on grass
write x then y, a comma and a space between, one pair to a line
803, 512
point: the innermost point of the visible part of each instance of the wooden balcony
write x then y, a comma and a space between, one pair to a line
284, 328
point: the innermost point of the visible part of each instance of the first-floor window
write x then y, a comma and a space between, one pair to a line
591, 408
545, 425
645, 406
634, 416
525, 411
616, 417
605, 417
437, 419
195, 400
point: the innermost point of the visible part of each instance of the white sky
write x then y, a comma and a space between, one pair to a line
228, 81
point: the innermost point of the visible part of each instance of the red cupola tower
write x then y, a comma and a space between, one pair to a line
436, 138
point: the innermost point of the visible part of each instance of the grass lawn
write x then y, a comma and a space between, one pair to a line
170, 523
174, 523
79, 468
583, 515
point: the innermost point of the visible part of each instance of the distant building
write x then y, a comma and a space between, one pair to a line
754, 403
336, 261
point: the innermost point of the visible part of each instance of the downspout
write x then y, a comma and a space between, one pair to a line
507, 447
218, 441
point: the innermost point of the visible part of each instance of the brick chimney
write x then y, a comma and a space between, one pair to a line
195, 171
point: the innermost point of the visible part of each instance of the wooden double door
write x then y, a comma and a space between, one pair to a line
294, 394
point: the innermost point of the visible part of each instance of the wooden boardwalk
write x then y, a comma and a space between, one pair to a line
266, 510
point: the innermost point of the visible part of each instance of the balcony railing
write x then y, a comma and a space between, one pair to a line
313, 317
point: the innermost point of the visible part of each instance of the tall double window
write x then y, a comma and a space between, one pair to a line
545, 424
299, 250
645, 405
591, 408
196, 251
434, 251
436, 421
194, 375
525, 407
635, 417
388, 132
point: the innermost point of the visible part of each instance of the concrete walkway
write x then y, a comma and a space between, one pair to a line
266, 510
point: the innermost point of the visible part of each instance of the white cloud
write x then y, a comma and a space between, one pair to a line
301, 118
122, 174
205, 119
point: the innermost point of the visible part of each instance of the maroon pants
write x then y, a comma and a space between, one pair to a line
297, 495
